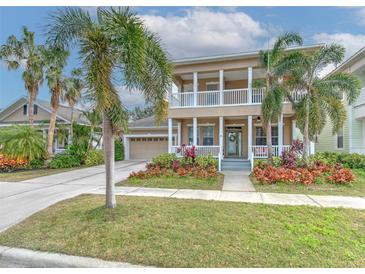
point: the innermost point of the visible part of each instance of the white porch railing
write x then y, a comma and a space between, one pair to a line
215, 98
200, 150
359, 150
262, 151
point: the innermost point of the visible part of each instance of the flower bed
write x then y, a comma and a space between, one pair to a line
200, 167
9, 164
290, 169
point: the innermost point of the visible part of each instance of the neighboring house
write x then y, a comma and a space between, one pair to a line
213, 106
17, 113
350, 138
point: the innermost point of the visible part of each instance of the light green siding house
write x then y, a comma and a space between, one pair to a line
352, 136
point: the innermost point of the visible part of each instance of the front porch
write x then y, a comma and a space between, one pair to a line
241, 138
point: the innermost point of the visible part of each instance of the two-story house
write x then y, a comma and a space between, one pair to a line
214, 107
351, 137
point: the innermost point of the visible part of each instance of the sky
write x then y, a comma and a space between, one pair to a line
197, 31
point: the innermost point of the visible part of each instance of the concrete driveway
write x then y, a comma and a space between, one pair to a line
19, 200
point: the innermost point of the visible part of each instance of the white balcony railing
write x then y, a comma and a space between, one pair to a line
200, 150
262, 151
216, 98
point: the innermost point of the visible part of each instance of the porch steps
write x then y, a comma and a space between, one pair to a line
235, 164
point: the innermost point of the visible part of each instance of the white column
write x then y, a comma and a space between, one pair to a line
221, 135
195, 88
280, 133
195, 131
126, 147
249, 122
179, 134
249, 80
221, 86
293, 129
169, 135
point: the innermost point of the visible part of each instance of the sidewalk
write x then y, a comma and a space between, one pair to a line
19, 257
241, 196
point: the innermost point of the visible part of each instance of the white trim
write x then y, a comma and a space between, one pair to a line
202, 125
221, 86
169, 141
195, 131
349, 111
249, 81
178, 133
195, 88
234, 125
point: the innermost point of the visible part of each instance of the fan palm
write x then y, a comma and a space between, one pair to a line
55, 61
72, 95
272, 103
320, 97
26, 55
116, 43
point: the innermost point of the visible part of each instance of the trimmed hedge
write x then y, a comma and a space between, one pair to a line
118, 150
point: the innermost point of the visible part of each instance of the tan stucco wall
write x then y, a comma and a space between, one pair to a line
18, 116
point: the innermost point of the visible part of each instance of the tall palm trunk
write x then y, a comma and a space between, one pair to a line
51, 130
306, 132
72, 125
269, 141
109, 161
30, 110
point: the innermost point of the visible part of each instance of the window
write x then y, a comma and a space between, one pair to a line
212, 86
261, 136
35, 109
191, 136
208, 135
340, 139
25, 109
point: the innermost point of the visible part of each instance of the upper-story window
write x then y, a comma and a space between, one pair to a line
261, 136
212, 86
25, 109
339, 140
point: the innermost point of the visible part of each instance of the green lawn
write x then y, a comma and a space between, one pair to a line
191, 233
17, 176
188, 182
355, 189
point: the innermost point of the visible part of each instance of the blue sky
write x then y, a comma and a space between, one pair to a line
194, 31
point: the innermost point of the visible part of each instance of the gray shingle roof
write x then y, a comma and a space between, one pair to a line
148, 122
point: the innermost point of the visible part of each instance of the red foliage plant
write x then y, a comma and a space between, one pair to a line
341, 176
7, 164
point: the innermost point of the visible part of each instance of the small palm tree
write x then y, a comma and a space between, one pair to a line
114, 46
55, 61
273, 100
95, 121
22, 142
72, 95
321, 97
26, 55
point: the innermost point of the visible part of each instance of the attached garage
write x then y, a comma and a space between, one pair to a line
147, 147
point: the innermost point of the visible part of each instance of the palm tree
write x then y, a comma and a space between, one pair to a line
22, 142
273, 100
26, 55
321, 97
114, 46
72, 95
55, 61
95, 121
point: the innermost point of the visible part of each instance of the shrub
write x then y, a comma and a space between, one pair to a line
277, 161
94, 157
260, 163
36, 163
164, 160
64, 160
341, 176
78, 150
350, 160
292, 157
206, 161
8, 164
118, 150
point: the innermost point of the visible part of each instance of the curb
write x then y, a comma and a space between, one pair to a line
30, 258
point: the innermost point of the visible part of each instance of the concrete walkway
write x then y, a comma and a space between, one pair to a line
237, 181
19, 200
241, 196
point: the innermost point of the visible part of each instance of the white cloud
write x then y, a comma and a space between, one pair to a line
204, 32
130, 98
351, 42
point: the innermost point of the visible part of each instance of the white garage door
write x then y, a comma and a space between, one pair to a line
147, 147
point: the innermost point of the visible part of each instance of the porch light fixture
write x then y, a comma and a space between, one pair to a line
258, 119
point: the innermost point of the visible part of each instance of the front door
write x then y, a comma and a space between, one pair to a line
234, 142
